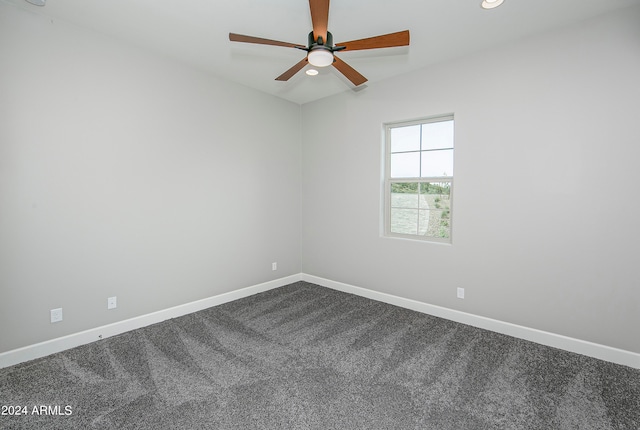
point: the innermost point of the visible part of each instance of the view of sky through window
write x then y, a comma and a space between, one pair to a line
422, 150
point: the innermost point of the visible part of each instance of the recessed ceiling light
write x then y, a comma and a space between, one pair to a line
490, 4
37, 2
311, 72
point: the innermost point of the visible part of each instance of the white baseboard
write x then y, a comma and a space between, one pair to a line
42, 349
602, 352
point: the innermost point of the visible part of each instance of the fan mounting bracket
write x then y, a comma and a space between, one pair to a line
325, 44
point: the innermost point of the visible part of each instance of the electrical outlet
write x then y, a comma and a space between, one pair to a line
460, 293
274, 266
112, 303
56, 315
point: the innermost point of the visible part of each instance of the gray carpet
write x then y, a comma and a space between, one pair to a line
307, 357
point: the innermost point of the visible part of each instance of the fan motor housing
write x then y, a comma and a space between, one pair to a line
313, 42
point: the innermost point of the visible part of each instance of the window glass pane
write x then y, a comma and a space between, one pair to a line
423, 222
437, 222
437, 163
437, 135
405, 195
405, 138
436, 192
404, 221
405, 165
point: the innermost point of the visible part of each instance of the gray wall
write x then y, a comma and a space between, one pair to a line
123, 174
545, 210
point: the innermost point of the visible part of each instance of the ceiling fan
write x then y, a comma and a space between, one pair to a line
320, 48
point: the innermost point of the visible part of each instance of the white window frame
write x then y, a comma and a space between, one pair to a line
388, 180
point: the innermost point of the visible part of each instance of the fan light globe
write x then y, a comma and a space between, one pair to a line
320, 57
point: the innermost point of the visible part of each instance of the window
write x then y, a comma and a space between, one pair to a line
419, 179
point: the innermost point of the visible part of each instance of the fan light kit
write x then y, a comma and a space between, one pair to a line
490, 4
320, 57
320, 48
311, 72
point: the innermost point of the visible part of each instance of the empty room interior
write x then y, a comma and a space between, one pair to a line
250, 242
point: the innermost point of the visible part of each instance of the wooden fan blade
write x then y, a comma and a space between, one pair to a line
319, 18
349, 72
292, 71
401, 38
250, 39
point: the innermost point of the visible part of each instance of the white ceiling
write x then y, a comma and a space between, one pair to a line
196, 32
